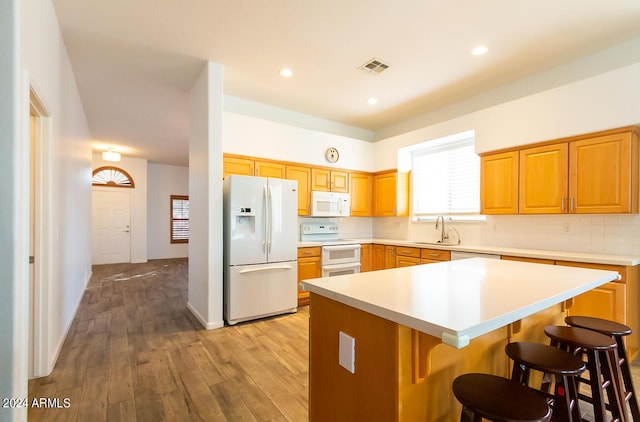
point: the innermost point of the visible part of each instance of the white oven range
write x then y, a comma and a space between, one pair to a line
339, 257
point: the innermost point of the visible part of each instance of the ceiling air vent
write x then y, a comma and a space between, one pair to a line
374, 66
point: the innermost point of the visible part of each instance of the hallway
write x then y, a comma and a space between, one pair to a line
134, 352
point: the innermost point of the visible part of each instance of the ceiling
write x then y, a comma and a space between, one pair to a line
135, 61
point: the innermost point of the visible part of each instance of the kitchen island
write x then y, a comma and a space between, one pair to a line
386, 345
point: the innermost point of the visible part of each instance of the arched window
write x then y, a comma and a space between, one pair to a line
113, 177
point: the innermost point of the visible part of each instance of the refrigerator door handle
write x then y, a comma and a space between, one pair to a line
270, 238
265, 239
276, 267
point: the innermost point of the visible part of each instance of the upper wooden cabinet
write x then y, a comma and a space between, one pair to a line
603, 174
329, 180
544, 179
390, 194
303, 176
248, 166
360, 189
589, 174
499, 183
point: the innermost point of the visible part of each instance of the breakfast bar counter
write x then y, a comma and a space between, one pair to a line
386, 345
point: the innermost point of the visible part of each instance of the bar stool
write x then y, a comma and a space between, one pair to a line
601, 353
498, 399
616, 331
551, 361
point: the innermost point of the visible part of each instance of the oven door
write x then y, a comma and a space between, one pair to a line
340, 254
340, 269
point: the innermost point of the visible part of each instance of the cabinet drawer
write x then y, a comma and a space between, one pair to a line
620, 269
404, 251
406, 261
435, 255
311, 251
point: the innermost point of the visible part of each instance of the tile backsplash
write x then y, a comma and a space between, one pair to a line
606, 234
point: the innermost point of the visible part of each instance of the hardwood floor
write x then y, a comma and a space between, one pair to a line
134, 352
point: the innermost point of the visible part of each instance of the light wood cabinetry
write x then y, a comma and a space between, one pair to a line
603, 174
329, 180
389, 256
378, 257
390, 194
525, 259
303, 176
407, 256
308, 267
248, 166
429, 256
361, 185
499, 183
594, 173
366, 257
544, 179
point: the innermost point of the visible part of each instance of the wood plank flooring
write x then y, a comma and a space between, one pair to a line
135, 353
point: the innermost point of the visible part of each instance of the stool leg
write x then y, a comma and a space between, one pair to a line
595, 381
628, 381
572, 386
615, 391
469, 416
520, 374
562, 401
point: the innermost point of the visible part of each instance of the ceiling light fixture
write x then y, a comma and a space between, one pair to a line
286, 73
372, 101
479, 50
111, 155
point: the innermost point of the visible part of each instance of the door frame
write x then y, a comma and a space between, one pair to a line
41, 347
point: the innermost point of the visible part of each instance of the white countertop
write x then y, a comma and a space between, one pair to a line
624, 260
459, 300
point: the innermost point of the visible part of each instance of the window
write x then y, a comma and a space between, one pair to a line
179, 219
112, 177
446, 180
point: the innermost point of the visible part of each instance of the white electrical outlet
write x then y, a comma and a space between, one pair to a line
347, 352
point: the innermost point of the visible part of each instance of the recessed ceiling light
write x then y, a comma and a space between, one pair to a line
286, 73
372, 101
479, 50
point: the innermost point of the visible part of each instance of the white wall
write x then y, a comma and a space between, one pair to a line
67, 224
164, 181
604, 101
205, 197
137, 169
256, 137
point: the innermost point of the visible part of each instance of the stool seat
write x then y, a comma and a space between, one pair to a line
580, 337
499, 399
545, 358
604, 326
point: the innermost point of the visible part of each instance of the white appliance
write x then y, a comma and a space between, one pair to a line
330, 204
338, 257
260, 247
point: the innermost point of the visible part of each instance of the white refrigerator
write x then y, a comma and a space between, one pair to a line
260, 247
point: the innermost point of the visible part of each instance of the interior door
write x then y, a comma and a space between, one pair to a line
111, 237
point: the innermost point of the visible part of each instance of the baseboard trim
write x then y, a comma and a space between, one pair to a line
207, 325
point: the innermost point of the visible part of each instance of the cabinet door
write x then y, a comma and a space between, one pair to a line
384, 194
303, 176
307, 268
544, 178
378, 257
320, 179
365, 258
406, 261
270, 169
389, 257
235, 165
600, 175
607, 301
339, 181
499, 183
360, 191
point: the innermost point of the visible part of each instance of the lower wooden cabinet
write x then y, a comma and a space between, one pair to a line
308, 267
429, 256
378, 255
366, 258
407, 256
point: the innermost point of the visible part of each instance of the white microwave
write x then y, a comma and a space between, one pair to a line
330, 204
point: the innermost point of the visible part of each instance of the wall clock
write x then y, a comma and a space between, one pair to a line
332, 155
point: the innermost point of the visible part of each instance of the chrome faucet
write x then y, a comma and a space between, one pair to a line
443, 234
